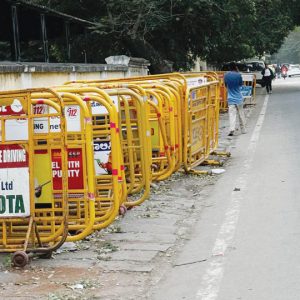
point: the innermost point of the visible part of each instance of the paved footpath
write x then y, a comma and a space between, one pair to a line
129, 258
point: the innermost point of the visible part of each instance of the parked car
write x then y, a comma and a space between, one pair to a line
293, 70
241, 67
255, 67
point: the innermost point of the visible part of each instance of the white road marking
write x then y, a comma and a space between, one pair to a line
211, 280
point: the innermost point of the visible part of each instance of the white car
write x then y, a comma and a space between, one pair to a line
255, 67
293, 70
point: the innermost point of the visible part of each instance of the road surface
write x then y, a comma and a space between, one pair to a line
246, 245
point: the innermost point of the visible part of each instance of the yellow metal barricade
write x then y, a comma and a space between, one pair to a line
178, 77
135, 142
134, 136
177, 89
177, 85
170, 98
162, 119
167, 94
81, 203
164, 97
213, 117
207, 76
195, 127
201, 125
161, 116
171, 93
223, 92
86, 147
28, 224
106, 167
249, 88
166, 101
162, 158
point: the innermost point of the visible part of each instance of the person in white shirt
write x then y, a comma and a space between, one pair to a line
268, 76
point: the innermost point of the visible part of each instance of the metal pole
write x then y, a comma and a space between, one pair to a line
67, 29
85, 45
16, 35
44, 37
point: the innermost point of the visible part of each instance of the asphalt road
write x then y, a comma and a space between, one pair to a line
246, 242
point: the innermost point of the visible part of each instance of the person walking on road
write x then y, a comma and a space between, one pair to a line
278, 71
268, 76
284, 70
233, 82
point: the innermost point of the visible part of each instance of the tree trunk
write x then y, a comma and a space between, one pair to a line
143, 49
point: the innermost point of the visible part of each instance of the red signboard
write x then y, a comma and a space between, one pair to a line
13, 156
75, 169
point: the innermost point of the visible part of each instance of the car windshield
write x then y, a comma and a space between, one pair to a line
256, 66
241, 67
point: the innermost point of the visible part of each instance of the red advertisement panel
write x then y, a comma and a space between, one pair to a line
75, 169
13, 156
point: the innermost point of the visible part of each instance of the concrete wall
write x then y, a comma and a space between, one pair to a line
14, 76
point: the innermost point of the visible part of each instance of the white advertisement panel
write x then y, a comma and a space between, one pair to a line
102, 157
195, 81
98, 109
72, 113
247, 77
14, 182
15, 129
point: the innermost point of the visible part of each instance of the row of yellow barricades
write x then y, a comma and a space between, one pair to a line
73, 157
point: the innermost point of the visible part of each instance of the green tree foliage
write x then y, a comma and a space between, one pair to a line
289, 52
181, 30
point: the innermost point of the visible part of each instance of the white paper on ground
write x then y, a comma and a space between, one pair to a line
218, 171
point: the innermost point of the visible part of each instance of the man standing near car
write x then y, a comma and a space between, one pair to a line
268, 76
233, 82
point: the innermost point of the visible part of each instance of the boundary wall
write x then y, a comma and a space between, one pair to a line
21, 75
